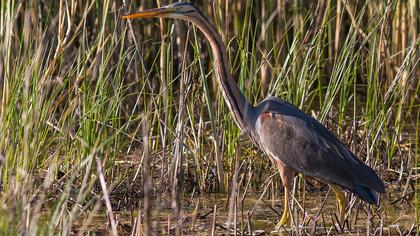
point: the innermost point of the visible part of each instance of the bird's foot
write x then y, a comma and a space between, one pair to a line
285, 219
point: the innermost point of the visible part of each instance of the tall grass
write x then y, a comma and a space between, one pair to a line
100, 116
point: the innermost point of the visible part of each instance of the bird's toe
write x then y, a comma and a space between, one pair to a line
285, 219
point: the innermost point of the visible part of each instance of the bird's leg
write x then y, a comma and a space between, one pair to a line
286, 175
285, 217
341, 200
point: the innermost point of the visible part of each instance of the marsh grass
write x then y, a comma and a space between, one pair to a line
103, 117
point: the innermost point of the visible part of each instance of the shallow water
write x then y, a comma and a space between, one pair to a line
391, 219
264, 219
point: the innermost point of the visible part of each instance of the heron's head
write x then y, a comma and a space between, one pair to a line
176, 10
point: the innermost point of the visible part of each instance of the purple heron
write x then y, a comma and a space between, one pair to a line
294, 141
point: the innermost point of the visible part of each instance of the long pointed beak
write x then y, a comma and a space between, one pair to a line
148, 13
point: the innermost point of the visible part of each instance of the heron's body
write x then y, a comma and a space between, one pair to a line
304, 145
294, 141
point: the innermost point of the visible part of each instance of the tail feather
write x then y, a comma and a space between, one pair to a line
370, 179
366, 194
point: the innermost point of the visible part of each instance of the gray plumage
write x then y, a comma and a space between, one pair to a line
306, 146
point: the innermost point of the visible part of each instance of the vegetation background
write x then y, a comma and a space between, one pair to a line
117, 126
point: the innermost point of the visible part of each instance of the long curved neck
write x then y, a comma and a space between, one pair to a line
240, 108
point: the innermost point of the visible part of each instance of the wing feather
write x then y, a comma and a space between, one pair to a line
305, 145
